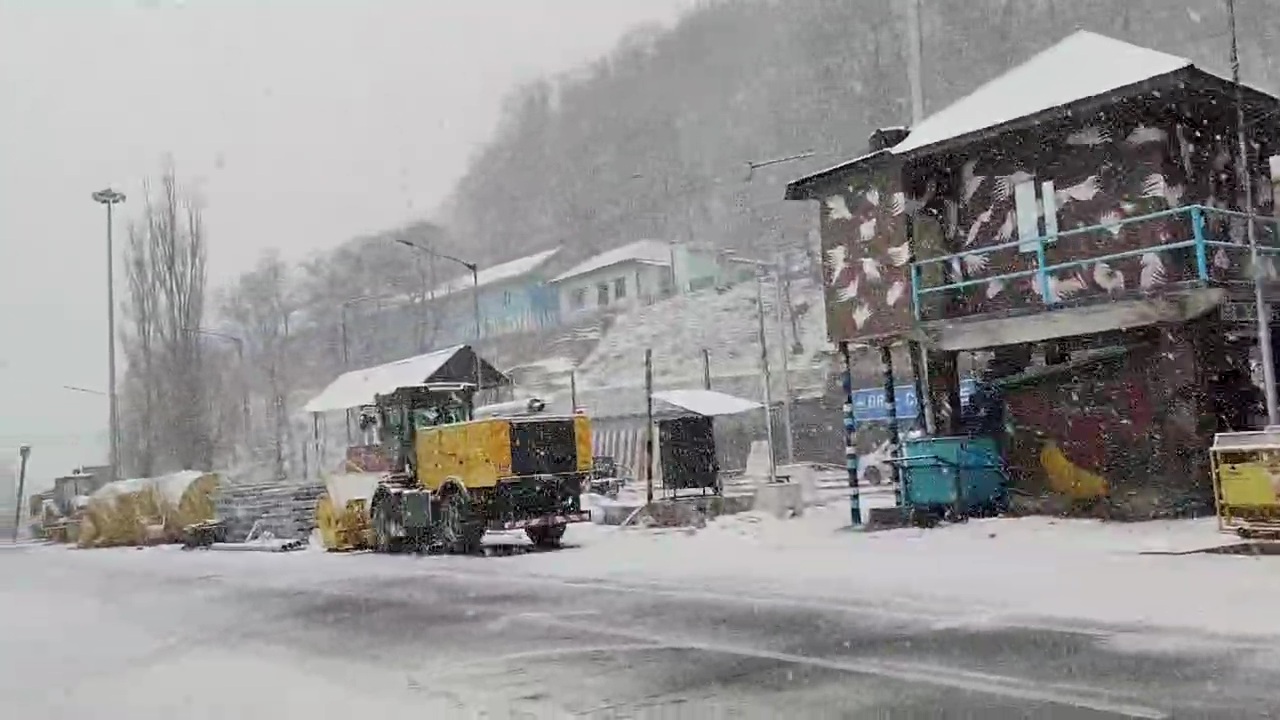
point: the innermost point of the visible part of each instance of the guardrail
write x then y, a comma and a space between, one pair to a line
1200, 241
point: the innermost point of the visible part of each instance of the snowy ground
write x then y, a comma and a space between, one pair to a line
991, 619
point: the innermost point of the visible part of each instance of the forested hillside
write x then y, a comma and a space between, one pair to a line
654, 141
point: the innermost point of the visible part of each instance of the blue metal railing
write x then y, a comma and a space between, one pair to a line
1200, 241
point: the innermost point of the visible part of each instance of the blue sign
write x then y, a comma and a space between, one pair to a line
869, 403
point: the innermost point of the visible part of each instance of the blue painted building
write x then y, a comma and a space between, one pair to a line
514, 297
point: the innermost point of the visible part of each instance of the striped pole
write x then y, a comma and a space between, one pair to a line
850, 448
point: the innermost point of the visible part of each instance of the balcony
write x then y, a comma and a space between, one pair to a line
1168, 266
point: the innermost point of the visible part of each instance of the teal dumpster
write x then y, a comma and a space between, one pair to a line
958, 475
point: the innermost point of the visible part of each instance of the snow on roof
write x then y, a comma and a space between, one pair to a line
1083, 65
359, 387
501, 272
707, 402
648, 252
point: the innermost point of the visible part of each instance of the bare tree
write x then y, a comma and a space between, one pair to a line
167, 395
260, 305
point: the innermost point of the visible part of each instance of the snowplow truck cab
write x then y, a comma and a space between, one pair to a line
453, 476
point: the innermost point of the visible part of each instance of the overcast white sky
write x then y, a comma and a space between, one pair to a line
302, 122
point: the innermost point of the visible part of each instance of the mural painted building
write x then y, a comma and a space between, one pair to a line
1080, 221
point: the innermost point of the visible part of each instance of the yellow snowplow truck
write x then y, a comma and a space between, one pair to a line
453, 476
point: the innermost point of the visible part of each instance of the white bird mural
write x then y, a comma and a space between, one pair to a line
956, 270
900, 255
849, 291
1155, 186
994, 288
900, 203
1059, 288
1083, 191
837, 208
1006, 229
1090, 136
867, 230
969, 181
976, 263
895, 293
1221, 260
1111, 220
1144, 134
861, 314
873, 197
871, 269
974, 229
1153, 273
838, 261
1108, 278
1006, 183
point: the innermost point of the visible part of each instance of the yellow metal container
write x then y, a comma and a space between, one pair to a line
1246, 481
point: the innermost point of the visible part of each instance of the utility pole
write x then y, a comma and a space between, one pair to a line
764, 370
649, 454
914, 42
24, 452
1261, 307
475, 293
784, 348
110, 198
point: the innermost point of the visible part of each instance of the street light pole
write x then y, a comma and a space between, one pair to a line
110, 198
1260, 305
24, 452
474, 268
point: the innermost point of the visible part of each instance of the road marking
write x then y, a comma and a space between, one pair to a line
1000, 685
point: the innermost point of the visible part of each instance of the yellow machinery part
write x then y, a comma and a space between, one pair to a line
346, 529
582, 434
1067, 478
479, 452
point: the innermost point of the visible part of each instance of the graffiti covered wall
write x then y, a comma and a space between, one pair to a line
1125, 432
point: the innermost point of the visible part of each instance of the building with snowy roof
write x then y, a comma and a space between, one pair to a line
638, 273
1086, 201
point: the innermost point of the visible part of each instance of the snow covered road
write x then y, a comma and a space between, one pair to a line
164, 633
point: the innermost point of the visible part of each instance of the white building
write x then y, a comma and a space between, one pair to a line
639, 273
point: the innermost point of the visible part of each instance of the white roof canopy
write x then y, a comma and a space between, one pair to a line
359, 387
1083, 65
707, 402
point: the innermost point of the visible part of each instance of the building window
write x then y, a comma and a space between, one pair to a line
602, 294
506, 298
579, 299
619, 288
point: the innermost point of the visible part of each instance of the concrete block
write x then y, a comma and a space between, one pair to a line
781, 500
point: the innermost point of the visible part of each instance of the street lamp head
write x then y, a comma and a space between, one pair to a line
108, 197
24, 451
